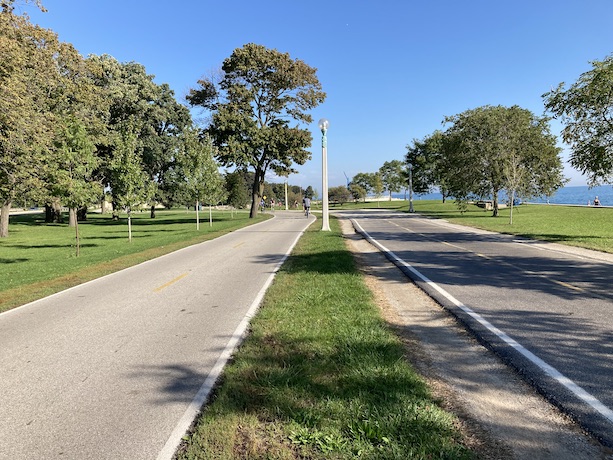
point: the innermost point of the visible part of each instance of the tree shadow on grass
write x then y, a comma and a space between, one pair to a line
12, 261
50, 246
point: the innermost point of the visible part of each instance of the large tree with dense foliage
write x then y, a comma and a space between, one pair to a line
80, 108
426, 157
237, 189
155, 118
28, 76
494, 148
261, 92
393, 176
163, 123
363, 183
586, 110
340, 194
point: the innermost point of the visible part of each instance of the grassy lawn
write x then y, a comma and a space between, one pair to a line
587, 227
321, 375
39, 259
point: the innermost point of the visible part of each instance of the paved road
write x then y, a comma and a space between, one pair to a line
116, 368
545, 309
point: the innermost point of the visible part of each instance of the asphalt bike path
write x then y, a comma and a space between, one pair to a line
117, 368
546, 309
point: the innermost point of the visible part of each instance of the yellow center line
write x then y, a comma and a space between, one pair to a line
239, 244
164, 286
562, 283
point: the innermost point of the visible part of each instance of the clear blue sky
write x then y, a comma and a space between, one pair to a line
392, 69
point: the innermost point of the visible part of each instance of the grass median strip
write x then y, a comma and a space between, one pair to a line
321, 375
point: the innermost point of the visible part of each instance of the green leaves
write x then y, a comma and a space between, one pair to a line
75, 160
131, 186
393, 176
586, 110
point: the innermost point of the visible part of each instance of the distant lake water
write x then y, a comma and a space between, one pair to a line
578, 195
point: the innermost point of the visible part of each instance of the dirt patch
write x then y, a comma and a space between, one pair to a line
500, 415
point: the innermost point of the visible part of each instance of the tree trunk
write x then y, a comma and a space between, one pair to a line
511, 204
197, 214
82, 214
153, 211
4, 219
129, 225
53, 213
115, 211
257, 190
72, 217
495, 198
78, 242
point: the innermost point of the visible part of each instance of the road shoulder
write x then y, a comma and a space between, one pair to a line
501, 415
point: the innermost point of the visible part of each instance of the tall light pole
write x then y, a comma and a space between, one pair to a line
410, 166
323, 125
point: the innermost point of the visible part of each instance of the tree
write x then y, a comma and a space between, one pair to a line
237, 190
150, 109
377, 186
163, 122
393, 176
260, 92
310, 193
357, 192
78, 106
490, 149
198, 169
339, 194
586, 110
72, 179
28, 75
365, 183
426, 156
131, 186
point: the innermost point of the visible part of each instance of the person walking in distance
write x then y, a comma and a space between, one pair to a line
306, 203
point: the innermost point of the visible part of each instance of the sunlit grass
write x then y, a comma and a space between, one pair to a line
588, 227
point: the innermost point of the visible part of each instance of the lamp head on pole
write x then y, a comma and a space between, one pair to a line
323, 124
410, 166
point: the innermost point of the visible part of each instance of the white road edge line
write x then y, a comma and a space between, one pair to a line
591, 400
175, 438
